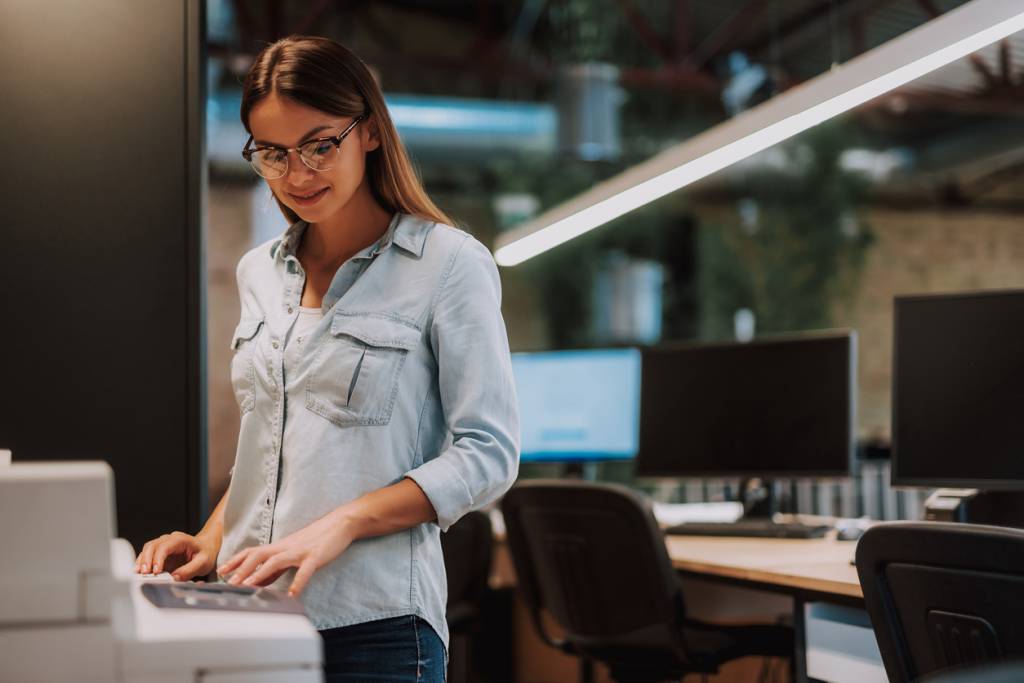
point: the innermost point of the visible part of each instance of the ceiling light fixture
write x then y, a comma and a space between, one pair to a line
930, 46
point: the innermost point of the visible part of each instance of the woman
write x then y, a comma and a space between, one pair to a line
372, 372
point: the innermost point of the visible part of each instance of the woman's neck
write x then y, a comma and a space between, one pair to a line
357, 225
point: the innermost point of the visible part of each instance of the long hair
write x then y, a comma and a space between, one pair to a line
322, 74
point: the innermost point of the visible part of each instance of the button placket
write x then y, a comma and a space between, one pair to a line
274, 462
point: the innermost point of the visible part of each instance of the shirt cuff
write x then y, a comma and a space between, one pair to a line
444, 488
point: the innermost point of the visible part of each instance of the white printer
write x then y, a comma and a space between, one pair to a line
72, 607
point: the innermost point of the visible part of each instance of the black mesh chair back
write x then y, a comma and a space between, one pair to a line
593, 556
942, 595
1006, 672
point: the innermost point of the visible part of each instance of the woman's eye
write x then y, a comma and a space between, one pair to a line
320, 148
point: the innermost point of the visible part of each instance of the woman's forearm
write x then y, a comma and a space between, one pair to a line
214, 527
385, 511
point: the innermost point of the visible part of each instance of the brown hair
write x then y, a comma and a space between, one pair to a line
322, 74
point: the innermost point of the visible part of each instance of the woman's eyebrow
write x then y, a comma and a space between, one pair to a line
302, 139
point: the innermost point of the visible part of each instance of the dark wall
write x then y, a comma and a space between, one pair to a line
101, 341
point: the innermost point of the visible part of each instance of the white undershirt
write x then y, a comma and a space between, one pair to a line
307, 320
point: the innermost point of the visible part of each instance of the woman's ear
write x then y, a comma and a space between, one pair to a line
371, 134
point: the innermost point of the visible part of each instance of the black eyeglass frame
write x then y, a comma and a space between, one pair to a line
336, 140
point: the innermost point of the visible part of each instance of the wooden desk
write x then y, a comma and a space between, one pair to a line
817, 574
816, 568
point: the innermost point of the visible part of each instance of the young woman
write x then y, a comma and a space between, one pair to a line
372, 372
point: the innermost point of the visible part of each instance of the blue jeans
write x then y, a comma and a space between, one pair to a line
398, 650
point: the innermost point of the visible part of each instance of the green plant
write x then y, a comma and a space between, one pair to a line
804, 251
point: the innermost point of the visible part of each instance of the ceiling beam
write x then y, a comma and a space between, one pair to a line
646, 32
725, 36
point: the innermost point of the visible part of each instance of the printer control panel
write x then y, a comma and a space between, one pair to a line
190, 595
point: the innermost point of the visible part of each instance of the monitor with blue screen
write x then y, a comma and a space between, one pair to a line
578, 406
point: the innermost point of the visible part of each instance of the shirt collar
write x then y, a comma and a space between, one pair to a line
405, 231
408, 232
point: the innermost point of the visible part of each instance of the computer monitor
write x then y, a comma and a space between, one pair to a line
958, 390
782, 407
578, 406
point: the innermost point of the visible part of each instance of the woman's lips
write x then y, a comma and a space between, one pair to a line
307, 199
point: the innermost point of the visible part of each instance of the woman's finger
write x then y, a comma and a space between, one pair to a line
191, 568
235, 560
302, 576
170, 546
147, 554
142, 554
248, 566
268, 573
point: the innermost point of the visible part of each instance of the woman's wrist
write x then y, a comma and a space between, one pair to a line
211, 538
349, 522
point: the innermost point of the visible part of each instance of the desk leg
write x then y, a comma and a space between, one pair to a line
799, 641
586, 670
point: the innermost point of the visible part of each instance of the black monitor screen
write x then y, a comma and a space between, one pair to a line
766, 408
958, 390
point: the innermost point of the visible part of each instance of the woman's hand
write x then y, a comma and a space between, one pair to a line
196, 555
393, 508
308, 549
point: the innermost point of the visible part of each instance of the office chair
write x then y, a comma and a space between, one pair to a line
942, 595
467, 548
593, 557
1007, 672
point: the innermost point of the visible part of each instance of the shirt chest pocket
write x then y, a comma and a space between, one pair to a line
354, 377
243, 368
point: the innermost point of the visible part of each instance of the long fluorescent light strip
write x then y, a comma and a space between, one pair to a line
647, 191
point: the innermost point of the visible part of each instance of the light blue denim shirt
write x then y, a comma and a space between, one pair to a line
408, 374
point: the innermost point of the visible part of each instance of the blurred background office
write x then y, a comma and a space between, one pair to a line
737, 335
511, 108
508, 109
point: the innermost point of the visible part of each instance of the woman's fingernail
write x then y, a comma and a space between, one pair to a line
145, 569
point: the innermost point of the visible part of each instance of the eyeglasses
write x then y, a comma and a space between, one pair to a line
319, 154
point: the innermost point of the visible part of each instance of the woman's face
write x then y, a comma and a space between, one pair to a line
282, 122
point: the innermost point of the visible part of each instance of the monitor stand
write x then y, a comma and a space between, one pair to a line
584, 471
759, 498
971, 506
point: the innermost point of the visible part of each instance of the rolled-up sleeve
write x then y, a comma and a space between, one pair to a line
477, 390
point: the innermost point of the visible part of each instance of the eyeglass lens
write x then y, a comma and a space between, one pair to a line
318, 155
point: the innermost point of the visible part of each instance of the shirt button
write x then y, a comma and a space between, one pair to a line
274, 344
290, 309
268, 500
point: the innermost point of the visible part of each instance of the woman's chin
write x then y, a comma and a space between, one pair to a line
309, 213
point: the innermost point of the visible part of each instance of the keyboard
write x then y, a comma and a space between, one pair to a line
755, 528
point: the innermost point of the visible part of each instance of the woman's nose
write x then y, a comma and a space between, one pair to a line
297, 168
